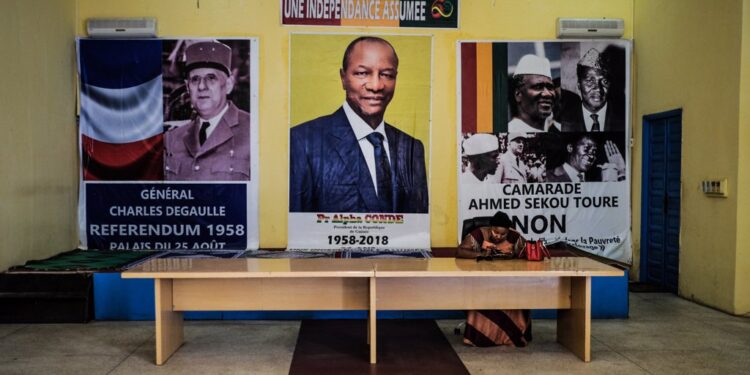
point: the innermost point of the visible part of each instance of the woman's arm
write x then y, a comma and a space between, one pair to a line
469, 248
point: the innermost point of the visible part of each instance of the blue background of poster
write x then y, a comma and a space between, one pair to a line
157, 206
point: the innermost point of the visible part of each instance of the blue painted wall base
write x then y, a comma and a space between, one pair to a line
116, 298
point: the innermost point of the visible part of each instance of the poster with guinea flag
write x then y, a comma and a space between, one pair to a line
168, 140
544, 135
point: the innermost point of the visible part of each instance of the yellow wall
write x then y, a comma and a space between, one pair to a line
499, 19
742, 283
38, 190
688, 56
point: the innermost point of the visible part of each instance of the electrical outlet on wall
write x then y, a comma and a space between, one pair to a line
715, 188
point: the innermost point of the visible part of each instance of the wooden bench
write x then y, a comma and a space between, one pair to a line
372, 284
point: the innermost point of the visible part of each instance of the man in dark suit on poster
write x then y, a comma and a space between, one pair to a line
581, 155
595, 110
351, 160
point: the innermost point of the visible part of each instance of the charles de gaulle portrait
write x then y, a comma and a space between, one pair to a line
351, 160
215, 144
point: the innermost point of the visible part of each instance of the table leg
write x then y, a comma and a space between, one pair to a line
574, 325
372, 323
169, 333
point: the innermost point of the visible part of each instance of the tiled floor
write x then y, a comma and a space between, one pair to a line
665, 335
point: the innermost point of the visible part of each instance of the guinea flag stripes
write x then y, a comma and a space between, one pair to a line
484, 87
121, 109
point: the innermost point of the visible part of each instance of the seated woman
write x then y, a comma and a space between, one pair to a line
495, 327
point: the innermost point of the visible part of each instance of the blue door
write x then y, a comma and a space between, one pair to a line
660, 207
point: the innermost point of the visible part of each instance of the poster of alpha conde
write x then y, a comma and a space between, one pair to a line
359, 141
168, 144
543, 134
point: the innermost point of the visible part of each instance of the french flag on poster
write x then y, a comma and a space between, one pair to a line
122, 117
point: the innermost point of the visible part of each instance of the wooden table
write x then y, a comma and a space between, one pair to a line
372, 284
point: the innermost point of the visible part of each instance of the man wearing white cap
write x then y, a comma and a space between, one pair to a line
533, 97
481, 152
512, 169
593, 112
